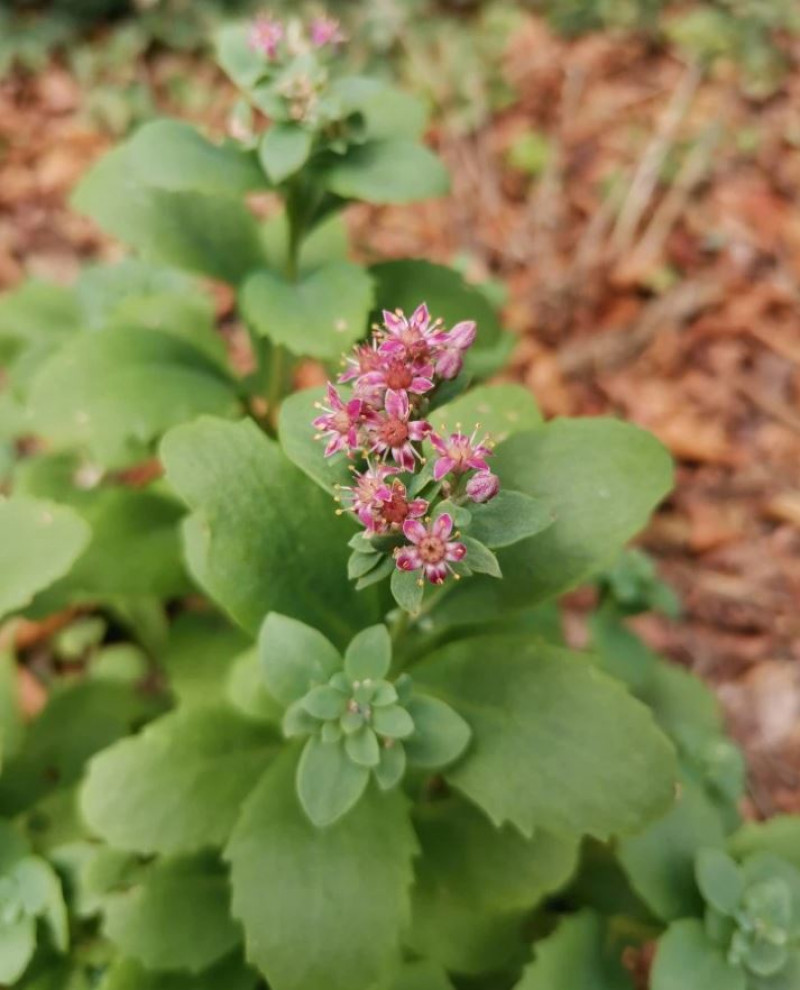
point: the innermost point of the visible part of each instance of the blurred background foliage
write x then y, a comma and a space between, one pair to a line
450, 50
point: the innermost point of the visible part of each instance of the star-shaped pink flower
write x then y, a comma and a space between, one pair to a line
458, 454
393, 432
340, 422
431, 549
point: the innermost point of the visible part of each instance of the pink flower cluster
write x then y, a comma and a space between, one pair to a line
382, 420
267, 33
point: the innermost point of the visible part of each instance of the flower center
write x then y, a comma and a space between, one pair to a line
399, 376
431, 549
341, 420
458, 450
368, 360
396, 510
393, 432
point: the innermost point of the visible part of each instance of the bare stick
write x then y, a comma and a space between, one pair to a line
646, 176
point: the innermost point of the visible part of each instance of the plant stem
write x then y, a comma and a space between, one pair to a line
275, 378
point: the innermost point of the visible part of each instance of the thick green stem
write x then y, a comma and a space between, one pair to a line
275, 384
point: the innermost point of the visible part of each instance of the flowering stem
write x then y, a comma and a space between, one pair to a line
275, 384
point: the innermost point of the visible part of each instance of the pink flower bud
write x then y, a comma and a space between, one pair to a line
483, 486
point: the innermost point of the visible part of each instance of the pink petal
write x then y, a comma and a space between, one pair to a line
414, 530
333, 398
478, 463
420, 385
419, 429
442, 526
417, 507
462, 335
392, 321
442, 467
397, 405
421, 316
408, 559
404, 456
393, 348
456, 551
373, 379
449, 363
436, 573
438, 444
334, 445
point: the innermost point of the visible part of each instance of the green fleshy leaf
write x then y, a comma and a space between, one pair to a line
178, 786
540, 716
719, 880
480, 559
602, 479
395, 170
320, 315
496, 411
172, 155
389, 772
294, 657
325, 702
407, 590
765, 958
420, 975
39, 542
329, 784
297, 721
578, 954
508, 518
770, 901
17, 945
779, 835
40, 889
177, 918
236, 56
369, 654
80, 719
284, 149
393, 721
115, 393
687, 960
200, 654
475, 883
344, 889
385, 694
360, 564
200, 232
387, 111
440, 734
35, 319
252, 544
127, 974
380, 573
362, 747
659, 862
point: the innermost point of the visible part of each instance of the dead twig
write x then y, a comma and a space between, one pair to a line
645, 178
616, 347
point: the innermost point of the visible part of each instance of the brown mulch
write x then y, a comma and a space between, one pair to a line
653, 273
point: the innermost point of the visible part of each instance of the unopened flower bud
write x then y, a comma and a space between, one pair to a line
483, 486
